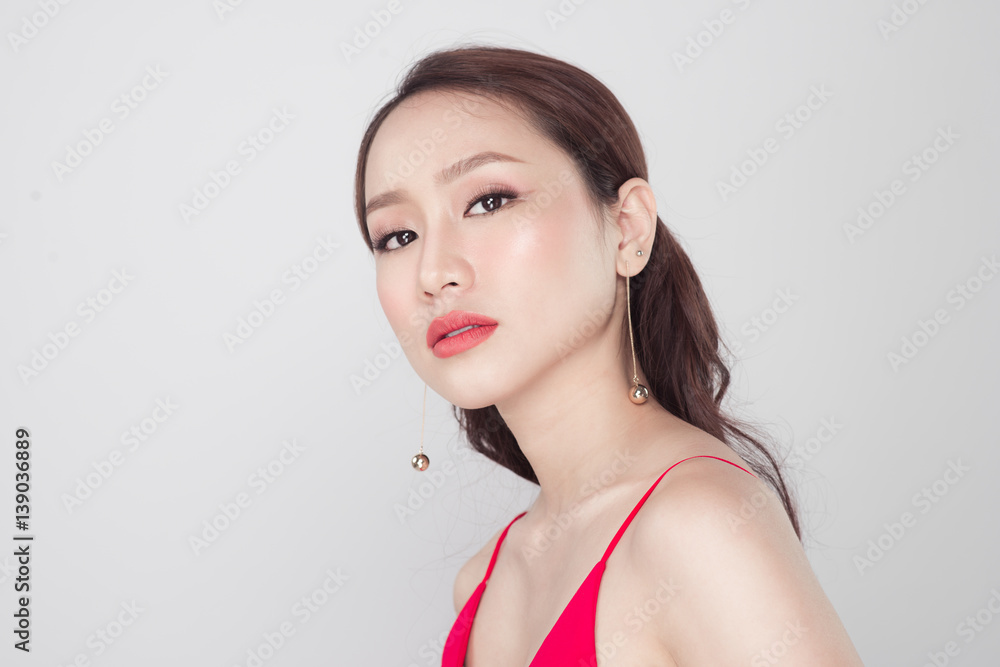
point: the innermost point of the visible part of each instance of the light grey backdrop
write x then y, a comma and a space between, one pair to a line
141, 223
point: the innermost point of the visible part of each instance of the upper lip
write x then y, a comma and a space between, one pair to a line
456, 319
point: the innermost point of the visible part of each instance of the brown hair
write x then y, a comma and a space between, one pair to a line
676, 336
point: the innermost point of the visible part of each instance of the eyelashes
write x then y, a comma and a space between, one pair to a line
495, 191
501, 191
380, 244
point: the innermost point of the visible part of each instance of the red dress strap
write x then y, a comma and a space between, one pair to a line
496, 549
621, 531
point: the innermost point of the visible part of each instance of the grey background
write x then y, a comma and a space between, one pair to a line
336, 506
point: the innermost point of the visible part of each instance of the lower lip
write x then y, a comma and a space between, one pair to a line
463, 341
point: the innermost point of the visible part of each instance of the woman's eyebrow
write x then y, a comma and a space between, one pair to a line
467, 164
447, 175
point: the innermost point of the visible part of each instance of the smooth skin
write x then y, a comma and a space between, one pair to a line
698, 578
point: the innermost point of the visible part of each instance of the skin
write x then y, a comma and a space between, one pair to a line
712, 550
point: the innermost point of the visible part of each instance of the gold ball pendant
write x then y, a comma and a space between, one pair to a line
639, 394
420, 462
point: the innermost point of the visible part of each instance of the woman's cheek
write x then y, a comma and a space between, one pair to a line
392, 300
529, 232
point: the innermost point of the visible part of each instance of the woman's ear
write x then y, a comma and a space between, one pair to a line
636, 221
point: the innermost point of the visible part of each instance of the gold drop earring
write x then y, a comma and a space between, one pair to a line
420, 460
639, 393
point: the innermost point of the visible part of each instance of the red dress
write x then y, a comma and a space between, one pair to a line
571, 640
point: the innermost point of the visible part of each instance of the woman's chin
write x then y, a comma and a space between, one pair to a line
467, 397
471, 401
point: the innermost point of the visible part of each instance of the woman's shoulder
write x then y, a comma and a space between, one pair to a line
708, 480
473, 571
724, 540
711, 497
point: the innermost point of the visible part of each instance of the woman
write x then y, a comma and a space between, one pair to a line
522, 265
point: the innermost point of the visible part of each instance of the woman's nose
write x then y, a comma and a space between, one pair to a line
443, 263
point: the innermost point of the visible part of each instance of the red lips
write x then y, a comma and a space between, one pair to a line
453, 321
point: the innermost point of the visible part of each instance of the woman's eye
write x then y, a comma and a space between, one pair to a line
491, 202
394, 240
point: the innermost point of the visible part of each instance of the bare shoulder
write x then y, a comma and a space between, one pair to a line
473, 571
746, 590
715, 499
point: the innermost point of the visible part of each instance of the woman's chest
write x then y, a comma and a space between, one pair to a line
604, 616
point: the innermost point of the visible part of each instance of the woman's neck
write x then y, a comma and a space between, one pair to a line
581, 433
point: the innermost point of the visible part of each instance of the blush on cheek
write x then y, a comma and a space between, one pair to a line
537, 230
392, 304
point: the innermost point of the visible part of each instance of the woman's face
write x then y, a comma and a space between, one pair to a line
511, 238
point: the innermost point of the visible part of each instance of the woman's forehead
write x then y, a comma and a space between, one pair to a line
437, 128
436, 115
